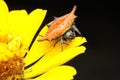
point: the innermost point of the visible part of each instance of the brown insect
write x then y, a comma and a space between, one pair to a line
62, 28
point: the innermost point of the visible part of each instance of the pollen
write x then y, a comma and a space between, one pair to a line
12, 51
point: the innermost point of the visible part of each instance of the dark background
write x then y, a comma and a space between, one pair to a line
98, 21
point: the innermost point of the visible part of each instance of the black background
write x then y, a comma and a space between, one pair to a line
99, 22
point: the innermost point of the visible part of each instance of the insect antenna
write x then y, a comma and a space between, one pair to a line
48, 25
40, 35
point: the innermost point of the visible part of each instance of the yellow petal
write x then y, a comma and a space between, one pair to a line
26, 25
37, 50
17, 21
3, 16
35, 19
58, 73
48, 61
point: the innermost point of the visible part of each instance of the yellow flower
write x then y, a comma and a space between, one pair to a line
42, 61
17, 29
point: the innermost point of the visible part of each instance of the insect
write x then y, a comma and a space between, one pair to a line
62, 28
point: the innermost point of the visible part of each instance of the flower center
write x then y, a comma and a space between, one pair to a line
12, 51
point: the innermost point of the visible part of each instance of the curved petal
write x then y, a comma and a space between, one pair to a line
17, 20
25, 25
37, 50
48, 61
3, 16
35, 19
58, 73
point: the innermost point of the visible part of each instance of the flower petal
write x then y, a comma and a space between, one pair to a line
58, 73
26, 25
17, 21
3, 16
50, 61
37, 50
35, 18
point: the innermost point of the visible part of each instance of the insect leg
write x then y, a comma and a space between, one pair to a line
56, 42
75, 29
62, 42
